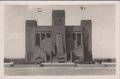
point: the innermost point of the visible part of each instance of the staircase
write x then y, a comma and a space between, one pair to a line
78, 53
39, 52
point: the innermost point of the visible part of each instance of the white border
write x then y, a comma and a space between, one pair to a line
2, 3
57, 2
117, 40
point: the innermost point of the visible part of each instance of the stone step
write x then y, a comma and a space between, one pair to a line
44, 64
62, 65
90, 65
58, 64
96, 65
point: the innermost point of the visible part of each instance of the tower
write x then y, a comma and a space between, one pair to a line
30, 34
87, 39
58, 23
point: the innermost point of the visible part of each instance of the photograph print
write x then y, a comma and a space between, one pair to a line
59, 40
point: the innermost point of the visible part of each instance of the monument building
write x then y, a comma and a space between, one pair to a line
58, 43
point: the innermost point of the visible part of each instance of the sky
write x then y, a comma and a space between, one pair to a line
103, 26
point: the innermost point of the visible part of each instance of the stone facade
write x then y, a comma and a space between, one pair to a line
58, 43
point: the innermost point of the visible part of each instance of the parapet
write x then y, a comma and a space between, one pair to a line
32, 23
58, 13
86, 23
